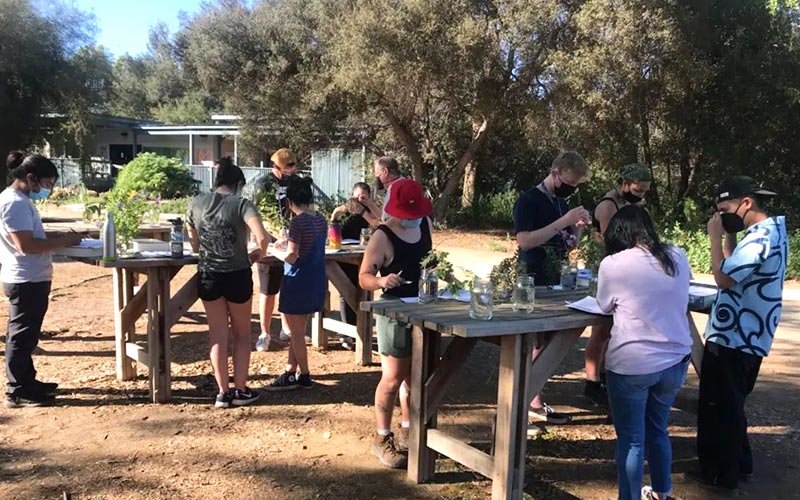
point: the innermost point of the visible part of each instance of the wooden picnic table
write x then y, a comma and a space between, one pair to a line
552, 325
164, 309
158, 231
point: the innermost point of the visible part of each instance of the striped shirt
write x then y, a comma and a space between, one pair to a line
305, 229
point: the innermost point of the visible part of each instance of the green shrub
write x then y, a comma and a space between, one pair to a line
152, 176
694, 243
489, 211
793, 267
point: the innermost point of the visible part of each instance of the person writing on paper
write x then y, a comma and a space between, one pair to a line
218, 224
542, 220
358, 214
645, 284
633, 184
304, 280
742, 325
27, 272
395, 252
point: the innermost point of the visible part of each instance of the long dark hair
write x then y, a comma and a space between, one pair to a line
38, 165
632, 226
229, 175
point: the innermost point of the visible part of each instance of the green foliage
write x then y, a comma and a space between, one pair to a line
270, 212
504, 276
189, 108
694, 243
155, 176
444, 270
489, 211
128, 209
793, 267
175, 206
590, 251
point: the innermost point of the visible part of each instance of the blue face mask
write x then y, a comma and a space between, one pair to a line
411, 223
41, 195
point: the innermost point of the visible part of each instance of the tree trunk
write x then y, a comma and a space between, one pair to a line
409, 141
468, 188
648, 157
478, 139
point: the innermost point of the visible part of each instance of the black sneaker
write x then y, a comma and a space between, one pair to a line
22, 398
223, 399
244, 397
285, 382
596, 392
48, 388
305, 381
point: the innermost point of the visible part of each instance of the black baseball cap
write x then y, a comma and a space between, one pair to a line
739, 186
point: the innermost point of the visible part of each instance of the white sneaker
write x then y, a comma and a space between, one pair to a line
262, 344
285, 336
308, 340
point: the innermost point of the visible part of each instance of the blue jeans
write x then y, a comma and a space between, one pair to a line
641, 405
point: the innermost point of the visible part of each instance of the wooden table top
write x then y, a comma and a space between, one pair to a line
346, 255
451, 317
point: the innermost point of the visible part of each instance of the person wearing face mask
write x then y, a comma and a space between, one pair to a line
274, 184
750, 275
387, 172
26, 272
395, 252
634, 183
218, 225
543, 219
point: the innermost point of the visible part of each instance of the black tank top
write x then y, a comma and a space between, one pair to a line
595, 221
407, 258
351, 229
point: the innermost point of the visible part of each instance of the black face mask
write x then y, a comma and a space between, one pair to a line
732, 222
378, 184
631, 198
564, 190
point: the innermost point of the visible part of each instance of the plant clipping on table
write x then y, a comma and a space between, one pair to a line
128, 210
270, 212
504, 276
444, 271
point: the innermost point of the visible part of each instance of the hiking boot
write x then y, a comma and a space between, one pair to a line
596, 392
304, 380
648, 494
22, 398
348, 343
244, 397
223, 399
385, 449
47, 388
548, 415
401, 440
285, 382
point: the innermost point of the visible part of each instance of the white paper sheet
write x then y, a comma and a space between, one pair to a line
410, 300
461, 296
90, 243
350, 242
587, 304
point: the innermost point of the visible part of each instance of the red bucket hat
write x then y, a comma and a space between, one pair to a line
407, 200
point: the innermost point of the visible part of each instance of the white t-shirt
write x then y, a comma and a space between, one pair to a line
17, 213
651, 329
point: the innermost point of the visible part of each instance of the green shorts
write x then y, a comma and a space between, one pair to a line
394, 338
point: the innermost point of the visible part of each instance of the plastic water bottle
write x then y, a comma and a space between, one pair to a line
109, 238
176, 239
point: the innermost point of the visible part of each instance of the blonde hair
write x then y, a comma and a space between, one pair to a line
572, 161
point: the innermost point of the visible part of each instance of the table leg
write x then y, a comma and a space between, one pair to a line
363, 352
319, 337
697, 344
158, 296
123, 332
512, 417
421, 459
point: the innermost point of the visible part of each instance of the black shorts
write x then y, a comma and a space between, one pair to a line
234, 286
270, 277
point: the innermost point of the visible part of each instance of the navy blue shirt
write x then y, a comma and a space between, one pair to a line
534, 210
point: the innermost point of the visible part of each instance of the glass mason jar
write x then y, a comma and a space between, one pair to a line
593, 287
566, 277
428, 286
481, 300
524, 296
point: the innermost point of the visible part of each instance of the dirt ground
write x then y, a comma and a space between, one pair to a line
104, 440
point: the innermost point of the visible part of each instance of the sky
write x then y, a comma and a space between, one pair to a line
123, 27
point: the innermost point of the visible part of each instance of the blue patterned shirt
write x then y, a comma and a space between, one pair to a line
745, 316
